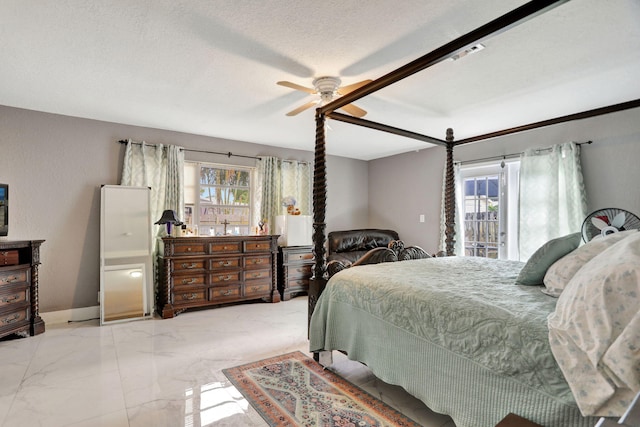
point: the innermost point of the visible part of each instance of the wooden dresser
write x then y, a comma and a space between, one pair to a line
19, 312
208, 271
294, 270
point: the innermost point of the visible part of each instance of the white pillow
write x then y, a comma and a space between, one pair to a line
594, 330
561, 271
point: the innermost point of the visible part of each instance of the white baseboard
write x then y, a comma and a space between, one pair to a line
73, 315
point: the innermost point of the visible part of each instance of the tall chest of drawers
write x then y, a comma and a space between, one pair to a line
209, 271
19, 311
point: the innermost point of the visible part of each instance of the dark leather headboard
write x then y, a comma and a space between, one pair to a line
360, 240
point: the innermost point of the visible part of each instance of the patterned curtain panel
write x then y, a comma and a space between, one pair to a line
174, 196
552, 195
269, 178
161, 168
281, 178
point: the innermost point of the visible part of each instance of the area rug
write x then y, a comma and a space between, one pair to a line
294, 390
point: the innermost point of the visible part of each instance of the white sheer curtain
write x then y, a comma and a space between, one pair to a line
279, 178
296, 182
552, 195
160, 167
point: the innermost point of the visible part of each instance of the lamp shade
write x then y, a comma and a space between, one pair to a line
169, 217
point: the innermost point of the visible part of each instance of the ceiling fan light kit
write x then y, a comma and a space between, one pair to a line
328, 88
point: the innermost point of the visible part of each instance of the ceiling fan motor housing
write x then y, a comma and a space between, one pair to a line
326, 86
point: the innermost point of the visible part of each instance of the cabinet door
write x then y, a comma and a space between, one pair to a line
126, 217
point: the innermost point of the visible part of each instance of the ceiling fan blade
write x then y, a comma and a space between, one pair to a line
297, 87
301, 108
350, 88
354, 111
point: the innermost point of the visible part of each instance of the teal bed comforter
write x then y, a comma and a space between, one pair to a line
455, 332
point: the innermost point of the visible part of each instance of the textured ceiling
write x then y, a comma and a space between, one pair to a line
211, 67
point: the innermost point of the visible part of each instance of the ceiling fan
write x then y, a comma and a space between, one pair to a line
327, 88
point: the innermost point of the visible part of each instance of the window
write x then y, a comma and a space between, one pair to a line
217, 198
489, 209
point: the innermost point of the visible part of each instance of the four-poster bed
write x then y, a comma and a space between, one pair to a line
540, 396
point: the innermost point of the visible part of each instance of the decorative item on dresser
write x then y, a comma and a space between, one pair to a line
294, 270
19, 312
208, 271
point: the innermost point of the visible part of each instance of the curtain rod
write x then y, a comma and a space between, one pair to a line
511, 155
229, 154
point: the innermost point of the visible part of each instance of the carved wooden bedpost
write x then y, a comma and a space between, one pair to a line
318, 280
450, 198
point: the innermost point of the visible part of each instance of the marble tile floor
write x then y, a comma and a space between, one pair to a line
157, 373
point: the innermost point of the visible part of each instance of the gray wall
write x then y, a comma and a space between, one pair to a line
404, 186
55, 165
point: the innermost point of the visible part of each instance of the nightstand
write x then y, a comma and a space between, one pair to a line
295, 265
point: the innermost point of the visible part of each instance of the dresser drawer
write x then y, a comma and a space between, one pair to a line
15, 294
224, 263
187, 296
15, 275
257, 246
223, 277
297, 257
9, 257
190, 280
229, 247
14, 318
257, 274
184, 265
298, 283
257, 287
223, 293
189, 248
294, 271
257, 261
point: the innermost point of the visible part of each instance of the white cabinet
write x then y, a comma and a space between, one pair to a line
294, 230
126, 266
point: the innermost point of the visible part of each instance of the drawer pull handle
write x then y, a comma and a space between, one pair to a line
257, 274
188, 281
190, 296
224, 278
11, 279
11, 298
225, 293
224, 248
255, 288
224, 263
257, 261
189, 249
12, 319
192, 265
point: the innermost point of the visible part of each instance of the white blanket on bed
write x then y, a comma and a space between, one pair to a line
594, 332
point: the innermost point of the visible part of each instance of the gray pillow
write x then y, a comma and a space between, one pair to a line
534, 270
